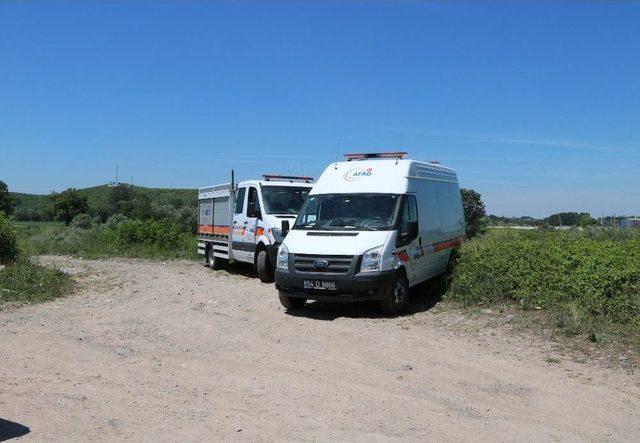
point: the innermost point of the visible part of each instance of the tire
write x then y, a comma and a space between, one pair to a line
291, 302
396, 296
214, 262
264, 268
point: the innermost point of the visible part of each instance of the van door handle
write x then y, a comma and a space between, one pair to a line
246, 223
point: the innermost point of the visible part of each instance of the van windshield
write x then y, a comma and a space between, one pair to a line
284, 199
359, 212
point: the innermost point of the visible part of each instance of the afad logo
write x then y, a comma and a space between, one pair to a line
357, 173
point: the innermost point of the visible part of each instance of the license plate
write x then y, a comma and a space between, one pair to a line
321, 285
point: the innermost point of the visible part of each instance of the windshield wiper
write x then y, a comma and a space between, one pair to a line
354, 226
364, 227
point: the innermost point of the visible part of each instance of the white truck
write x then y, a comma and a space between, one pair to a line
242, 222
372, 227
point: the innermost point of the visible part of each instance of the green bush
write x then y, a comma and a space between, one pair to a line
114, 221
595, 275
83, 221
8, 241
162, 233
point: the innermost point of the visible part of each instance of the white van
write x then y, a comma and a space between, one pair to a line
242, 223
371, 228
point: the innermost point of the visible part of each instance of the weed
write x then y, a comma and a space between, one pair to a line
27, 282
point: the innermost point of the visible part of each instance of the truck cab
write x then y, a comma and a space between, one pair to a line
242, 222
372, 227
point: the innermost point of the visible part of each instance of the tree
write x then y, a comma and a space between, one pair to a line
473, 211
7, 202
68, 204
120, 200
8, 241
570, 219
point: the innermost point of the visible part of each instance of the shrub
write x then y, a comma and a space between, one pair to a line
187, 218
83, 221
8, 241
162, 233
115, 220
592, 276
167, 212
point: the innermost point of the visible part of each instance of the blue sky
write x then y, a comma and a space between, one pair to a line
536, 105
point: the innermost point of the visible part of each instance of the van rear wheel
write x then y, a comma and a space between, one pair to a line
264, 268
396, 296
291, 302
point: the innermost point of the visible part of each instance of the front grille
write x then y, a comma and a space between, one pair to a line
338, 264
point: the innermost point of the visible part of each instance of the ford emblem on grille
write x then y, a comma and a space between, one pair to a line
320, 264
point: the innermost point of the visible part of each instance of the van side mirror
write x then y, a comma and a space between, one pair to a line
285, 227
409, 234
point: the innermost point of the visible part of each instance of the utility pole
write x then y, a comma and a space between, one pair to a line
116, 174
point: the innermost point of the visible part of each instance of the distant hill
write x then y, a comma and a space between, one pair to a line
97, 197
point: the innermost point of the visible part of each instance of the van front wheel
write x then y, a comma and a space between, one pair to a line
396, 296
264, 268
291, 302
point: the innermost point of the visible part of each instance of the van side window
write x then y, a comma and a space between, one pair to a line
253, 204
239, 200
409, 214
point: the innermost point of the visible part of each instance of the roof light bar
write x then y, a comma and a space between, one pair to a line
290, 178
366, 155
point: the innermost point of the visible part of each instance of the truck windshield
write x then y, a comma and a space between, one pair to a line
284, 199
359, 212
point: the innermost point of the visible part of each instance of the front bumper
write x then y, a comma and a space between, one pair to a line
351, 286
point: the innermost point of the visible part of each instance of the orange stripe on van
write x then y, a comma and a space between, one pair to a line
447, 244
216, 230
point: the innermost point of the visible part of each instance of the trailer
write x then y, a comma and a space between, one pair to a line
243, 222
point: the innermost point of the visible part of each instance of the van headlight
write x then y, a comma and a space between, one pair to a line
283, 257
371, 260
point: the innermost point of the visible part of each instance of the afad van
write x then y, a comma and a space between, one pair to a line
241, 222
371, 228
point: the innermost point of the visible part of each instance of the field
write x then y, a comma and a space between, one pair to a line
150, 350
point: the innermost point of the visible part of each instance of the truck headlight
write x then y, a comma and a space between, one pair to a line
283, 257
371, 260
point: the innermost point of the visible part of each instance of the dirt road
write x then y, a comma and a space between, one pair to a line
167, 351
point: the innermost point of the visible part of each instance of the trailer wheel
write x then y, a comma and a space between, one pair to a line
213, 261
291, 302
396, 296
264, 268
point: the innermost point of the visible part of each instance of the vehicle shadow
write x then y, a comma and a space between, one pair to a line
423, 297
10, 429
244, 269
